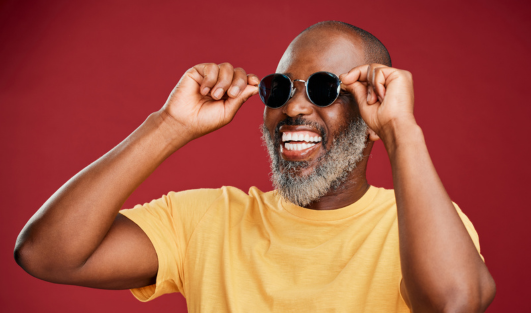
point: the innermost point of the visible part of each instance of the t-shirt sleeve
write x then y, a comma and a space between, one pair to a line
470, 228
471, 232
169, 223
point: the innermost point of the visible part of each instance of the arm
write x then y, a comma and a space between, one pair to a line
442, 270
77, 237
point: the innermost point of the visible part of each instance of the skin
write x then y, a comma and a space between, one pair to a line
77, 237
302, 59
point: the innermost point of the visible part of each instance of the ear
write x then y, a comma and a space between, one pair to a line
372, 135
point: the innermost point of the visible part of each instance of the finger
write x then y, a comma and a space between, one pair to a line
226, 72
378, 82
253, 80
371, 68
239, 82
375, 93
371, 95
358, 73
234, 104
209, 72
360, 93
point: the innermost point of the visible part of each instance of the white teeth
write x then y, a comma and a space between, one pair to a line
296, 146
299, 137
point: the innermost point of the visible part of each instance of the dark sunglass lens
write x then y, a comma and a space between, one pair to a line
323, 88
275, 90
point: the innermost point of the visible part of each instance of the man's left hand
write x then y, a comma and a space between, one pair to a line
384, 95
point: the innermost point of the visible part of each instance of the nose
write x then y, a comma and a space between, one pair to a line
299, 104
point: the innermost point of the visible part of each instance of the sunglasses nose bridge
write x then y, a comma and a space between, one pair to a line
294, 89
296, 105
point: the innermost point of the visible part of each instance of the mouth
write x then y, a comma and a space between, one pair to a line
299, 143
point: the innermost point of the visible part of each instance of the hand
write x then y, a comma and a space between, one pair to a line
384, 95
208, 96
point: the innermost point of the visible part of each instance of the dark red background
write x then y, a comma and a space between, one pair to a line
76, 77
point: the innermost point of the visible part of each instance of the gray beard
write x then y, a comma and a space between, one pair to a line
331, 172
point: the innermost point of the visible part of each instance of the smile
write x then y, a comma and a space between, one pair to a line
301, 140
299, 145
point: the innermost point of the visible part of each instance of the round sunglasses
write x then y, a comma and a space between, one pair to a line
322, 88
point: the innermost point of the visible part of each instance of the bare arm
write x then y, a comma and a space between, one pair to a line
77, 237
442, 270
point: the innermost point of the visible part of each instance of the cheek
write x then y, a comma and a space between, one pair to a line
336, 117
271, 119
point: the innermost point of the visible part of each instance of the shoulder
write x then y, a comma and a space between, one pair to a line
386, 198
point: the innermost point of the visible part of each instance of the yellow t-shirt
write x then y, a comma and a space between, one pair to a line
227, 251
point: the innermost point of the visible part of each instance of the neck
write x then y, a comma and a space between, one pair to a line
349, 192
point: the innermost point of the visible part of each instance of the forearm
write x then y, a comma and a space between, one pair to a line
68, 228
440, 264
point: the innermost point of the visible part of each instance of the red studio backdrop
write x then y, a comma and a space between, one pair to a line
76, 77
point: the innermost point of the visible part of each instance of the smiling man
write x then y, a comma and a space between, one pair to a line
323, 241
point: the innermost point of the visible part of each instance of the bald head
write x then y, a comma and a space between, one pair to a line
321, 36
306, 176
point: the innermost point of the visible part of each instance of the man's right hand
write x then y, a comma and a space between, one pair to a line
207, 97
77, 237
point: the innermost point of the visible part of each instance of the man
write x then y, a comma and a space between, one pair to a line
324, 240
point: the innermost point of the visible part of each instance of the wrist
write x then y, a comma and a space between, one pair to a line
174, 134
400, 133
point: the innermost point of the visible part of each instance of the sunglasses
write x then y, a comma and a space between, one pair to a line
322, 88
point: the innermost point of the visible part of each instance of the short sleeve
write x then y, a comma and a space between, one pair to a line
470, 228
471, 232
169, 223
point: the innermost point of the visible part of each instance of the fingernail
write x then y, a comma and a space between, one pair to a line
234, 91
368, 94
205, 91
218, 93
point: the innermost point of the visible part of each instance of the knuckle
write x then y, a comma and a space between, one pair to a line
210, 71
209, 66
225, 65
240, 70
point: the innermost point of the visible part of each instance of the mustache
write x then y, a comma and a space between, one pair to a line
299, 121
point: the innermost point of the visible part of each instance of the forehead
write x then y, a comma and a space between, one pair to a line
322, 50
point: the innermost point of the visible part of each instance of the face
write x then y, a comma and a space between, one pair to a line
327, 140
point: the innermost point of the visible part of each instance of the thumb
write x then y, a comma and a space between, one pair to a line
359, 91
234, 104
